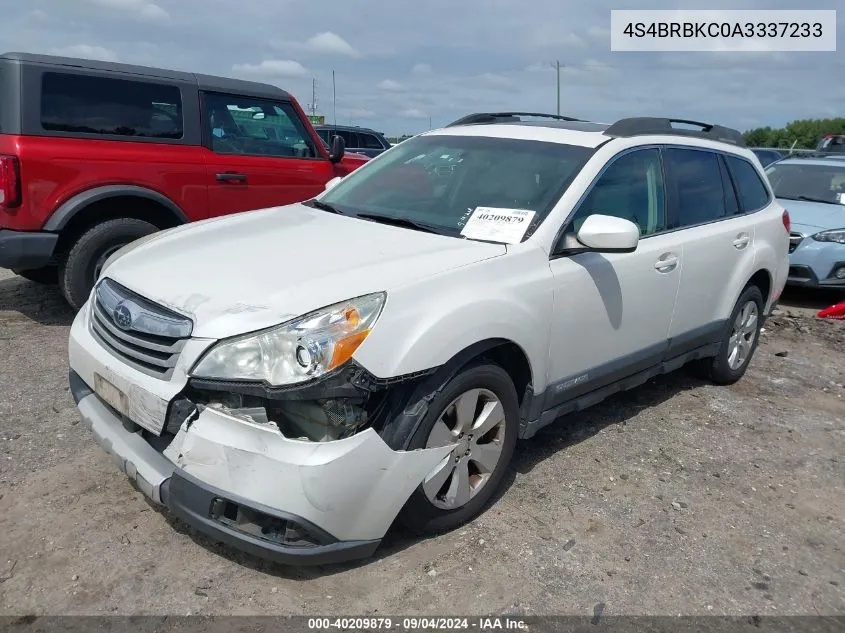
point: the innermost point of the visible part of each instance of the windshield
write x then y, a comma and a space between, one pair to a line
438, 181
814, 182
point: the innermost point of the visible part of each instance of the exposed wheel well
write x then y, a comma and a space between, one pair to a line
510, 357
763, 280
115, 207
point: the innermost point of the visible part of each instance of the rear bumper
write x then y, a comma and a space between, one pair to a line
201, 505
26, 250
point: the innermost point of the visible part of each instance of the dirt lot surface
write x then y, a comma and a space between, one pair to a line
676, 498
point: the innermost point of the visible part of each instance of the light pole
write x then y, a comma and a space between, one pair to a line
557, 71
334, 101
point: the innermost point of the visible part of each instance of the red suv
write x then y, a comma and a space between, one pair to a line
94, 155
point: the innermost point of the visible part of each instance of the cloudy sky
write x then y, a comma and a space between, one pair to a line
400, 63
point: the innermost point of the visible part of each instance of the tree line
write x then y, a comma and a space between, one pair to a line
805, 133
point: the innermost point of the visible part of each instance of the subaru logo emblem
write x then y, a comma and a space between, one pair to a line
122, 316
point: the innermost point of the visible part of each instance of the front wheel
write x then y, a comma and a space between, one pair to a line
739, 342
86, 258
478, 413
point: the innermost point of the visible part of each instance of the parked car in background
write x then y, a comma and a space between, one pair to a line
813, 190
347, 154
94, 155
766, 156
360, 140
375, 353
833, 143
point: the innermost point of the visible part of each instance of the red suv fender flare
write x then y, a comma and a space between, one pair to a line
69, 208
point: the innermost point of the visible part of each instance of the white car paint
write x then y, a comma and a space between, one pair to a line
569, 315
306, 259
238, 456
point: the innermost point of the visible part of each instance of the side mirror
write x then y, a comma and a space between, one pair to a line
338, 147
331, 183
609, 234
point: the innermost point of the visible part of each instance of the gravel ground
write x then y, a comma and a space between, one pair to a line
676, 498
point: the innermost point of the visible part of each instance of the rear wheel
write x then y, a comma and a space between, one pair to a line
739, 342
45, 275
478, 412
85, 260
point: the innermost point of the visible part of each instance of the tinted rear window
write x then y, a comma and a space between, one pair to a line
114, 107
753, 194
698, 181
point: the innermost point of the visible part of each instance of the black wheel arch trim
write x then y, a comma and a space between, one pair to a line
410, 406
69, 208
406, 397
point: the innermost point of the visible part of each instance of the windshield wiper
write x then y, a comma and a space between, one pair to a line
387, 219
808, 199
324, 206
812, 199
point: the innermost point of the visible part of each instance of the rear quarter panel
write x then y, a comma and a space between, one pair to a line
771, 249
55, 169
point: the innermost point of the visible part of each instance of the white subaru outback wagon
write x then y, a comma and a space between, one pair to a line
292, 380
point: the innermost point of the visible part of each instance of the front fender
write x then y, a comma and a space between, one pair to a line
424, 326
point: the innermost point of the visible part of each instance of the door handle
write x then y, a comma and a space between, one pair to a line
230, 176
741, 241
666, 263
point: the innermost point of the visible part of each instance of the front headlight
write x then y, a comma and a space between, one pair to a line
833, 235
298, 350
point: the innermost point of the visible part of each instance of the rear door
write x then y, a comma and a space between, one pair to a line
718, 243
260, 154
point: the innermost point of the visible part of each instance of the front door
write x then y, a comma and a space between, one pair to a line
612, 311
260, 154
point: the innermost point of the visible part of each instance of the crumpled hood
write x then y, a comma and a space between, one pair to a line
253, 270
814, 215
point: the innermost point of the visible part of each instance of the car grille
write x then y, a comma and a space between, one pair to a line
794, 240
141, 333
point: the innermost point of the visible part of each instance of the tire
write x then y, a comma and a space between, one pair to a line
79, 270
484, 382
723, 369
44, 275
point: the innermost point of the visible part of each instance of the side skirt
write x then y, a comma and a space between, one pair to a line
678, 354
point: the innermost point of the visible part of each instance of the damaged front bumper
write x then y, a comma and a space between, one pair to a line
245, 484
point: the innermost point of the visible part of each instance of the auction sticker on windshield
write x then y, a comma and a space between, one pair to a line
498, 225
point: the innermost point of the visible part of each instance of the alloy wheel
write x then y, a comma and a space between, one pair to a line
743, 333
475, 423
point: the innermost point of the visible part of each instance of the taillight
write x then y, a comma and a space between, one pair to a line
10, 182
786, 223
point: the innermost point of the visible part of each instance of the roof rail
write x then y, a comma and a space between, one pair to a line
506, 117
641, 126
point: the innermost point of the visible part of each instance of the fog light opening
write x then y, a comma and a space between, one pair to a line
264, 526
839, 273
